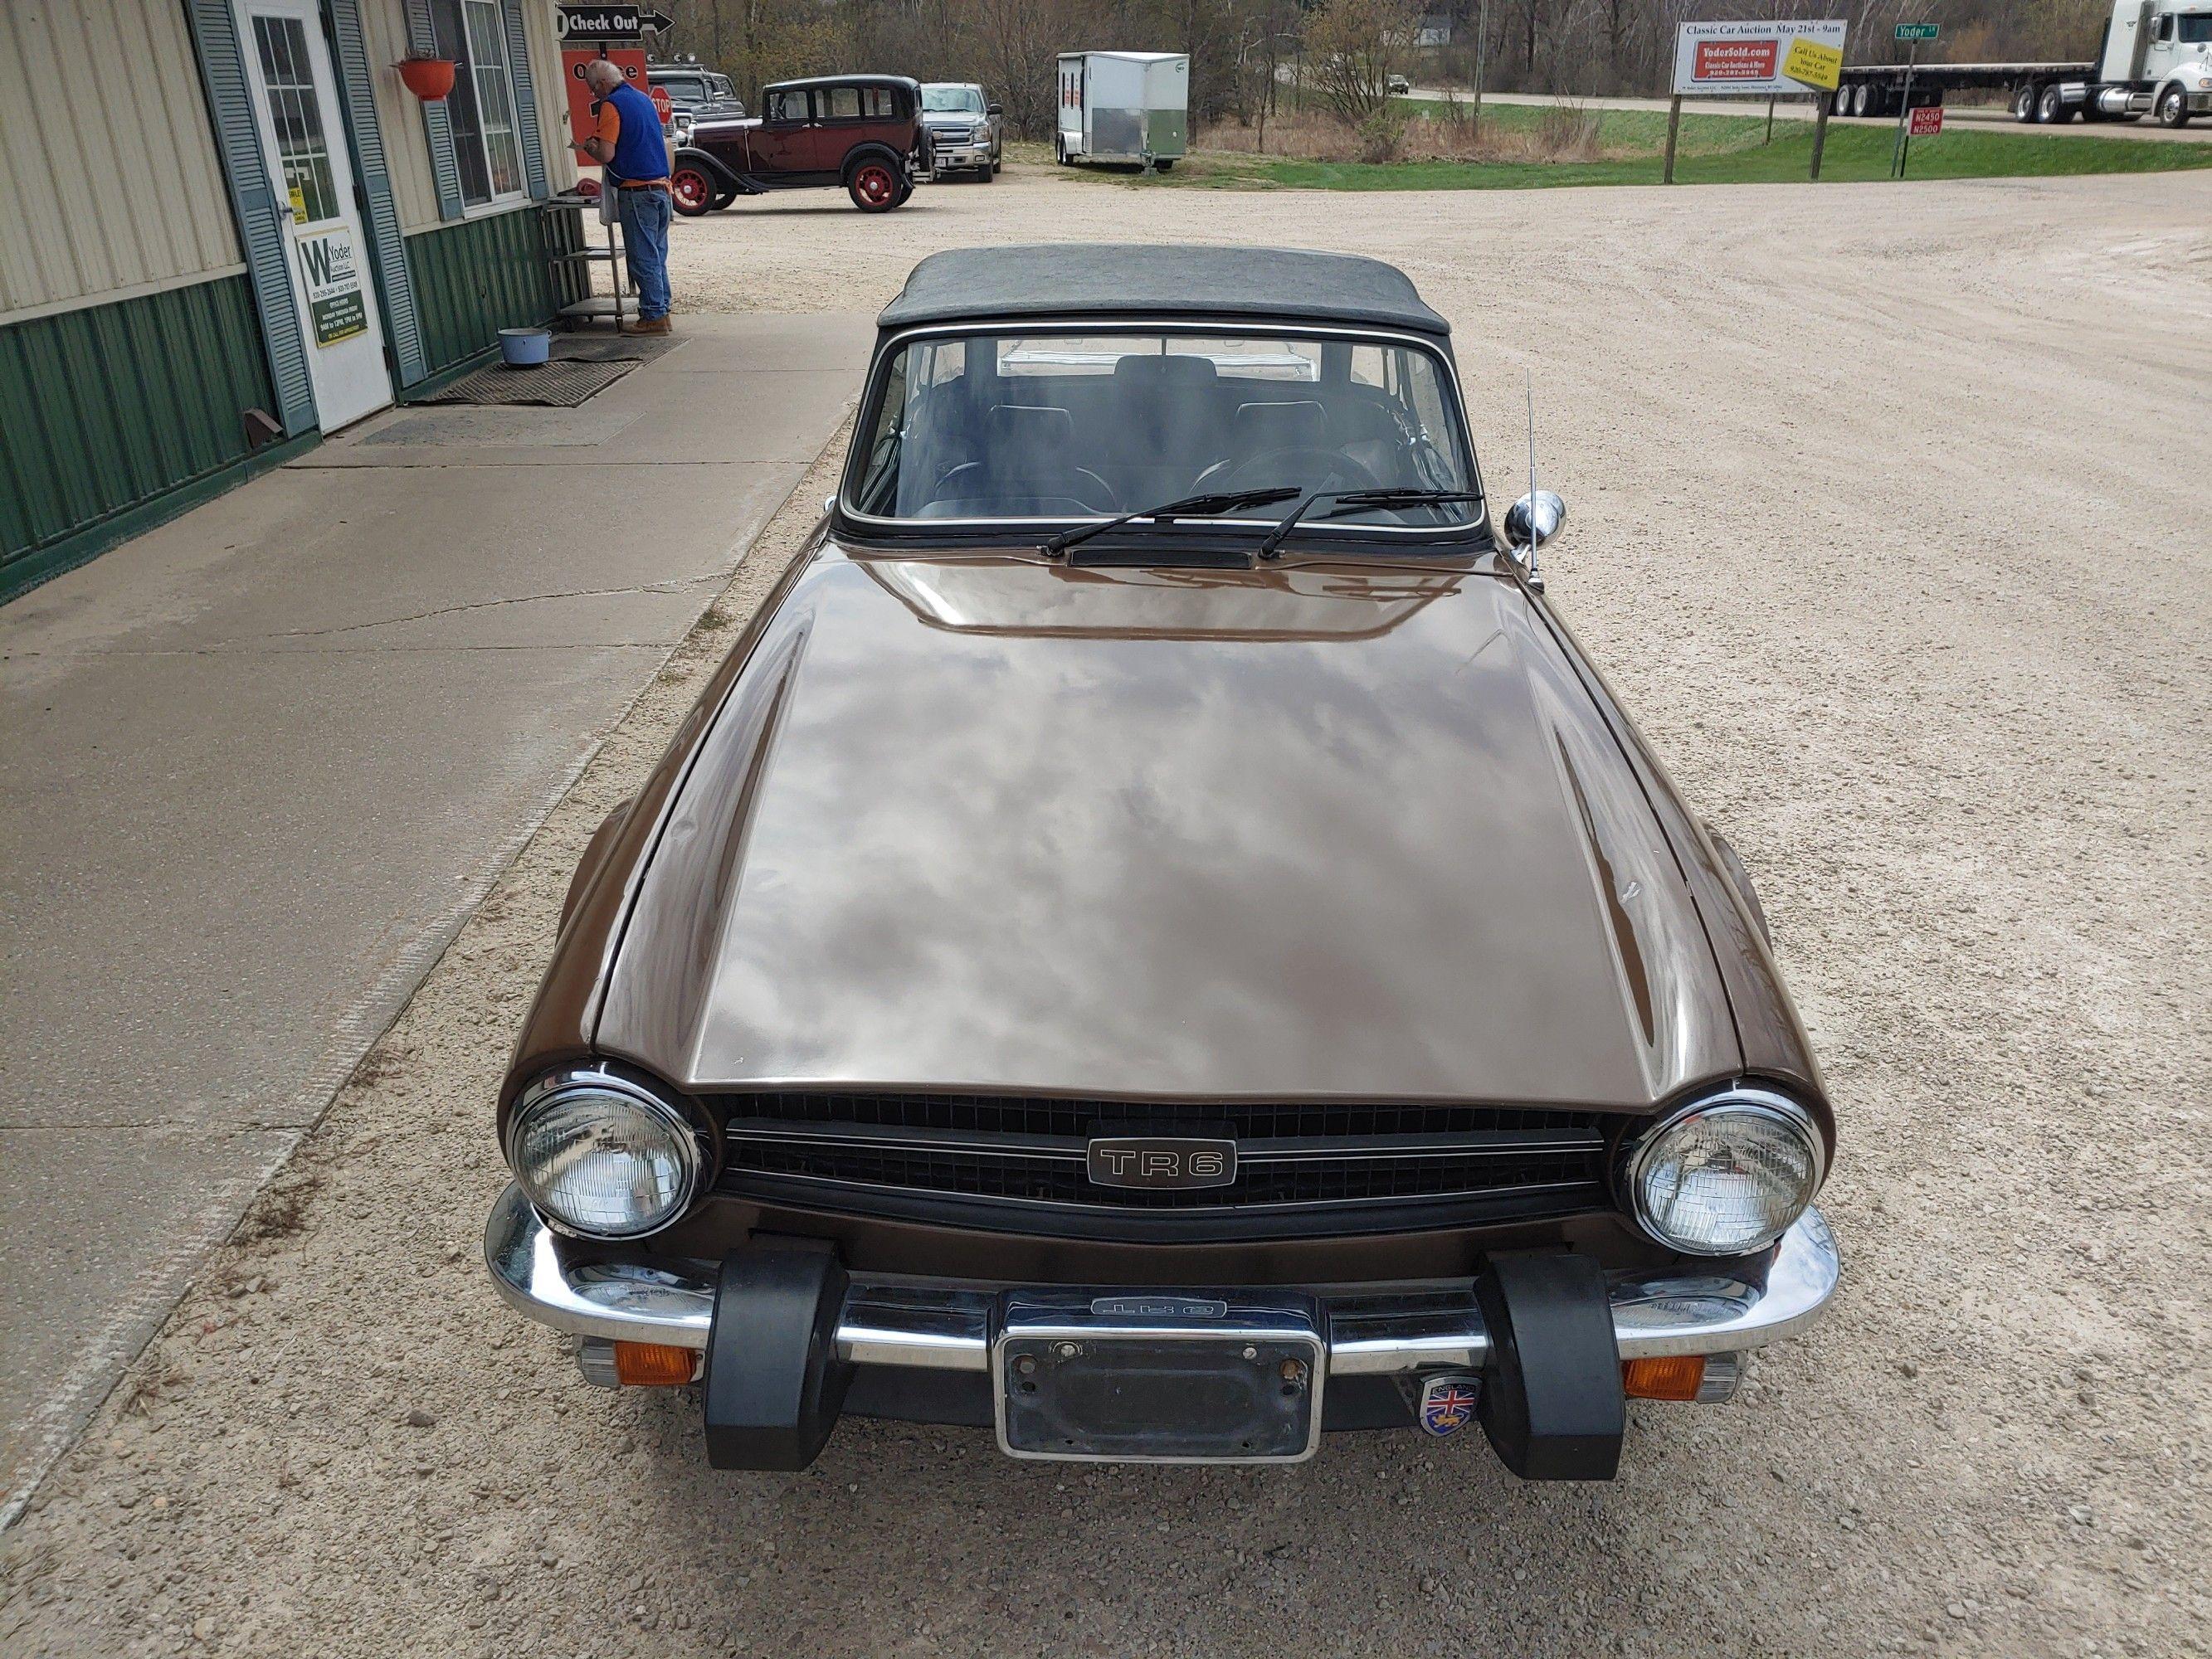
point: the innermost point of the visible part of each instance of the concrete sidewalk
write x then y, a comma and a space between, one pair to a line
261, 762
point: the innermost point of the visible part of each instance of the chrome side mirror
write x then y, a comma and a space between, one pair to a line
1542, 513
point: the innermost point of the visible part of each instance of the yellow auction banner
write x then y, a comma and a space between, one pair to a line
1813, 65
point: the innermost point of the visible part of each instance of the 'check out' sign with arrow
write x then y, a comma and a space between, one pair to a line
610, 22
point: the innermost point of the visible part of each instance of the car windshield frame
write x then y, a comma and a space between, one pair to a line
964, 107
1475, 524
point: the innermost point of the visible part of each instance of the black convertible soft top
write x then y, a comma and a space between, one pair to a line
1093, 279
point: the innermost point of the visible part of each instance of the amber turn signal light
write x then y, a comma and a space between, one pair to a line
654, 1364
1676, 1376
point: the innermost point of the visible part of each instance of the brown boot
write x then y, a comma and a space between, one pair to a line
648, 326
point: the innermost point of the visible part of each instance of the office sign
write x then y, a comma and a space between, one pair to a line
1749, 59
583, 108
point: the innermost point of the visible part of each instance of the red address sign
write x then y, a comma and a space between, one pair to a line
1927, 121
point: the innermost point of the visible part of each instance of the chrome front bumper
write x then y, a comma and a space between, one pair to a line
1723, 1310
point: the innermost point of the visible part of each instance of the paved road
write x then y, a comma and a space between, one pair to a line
261, 762
2198, 132
1888, 522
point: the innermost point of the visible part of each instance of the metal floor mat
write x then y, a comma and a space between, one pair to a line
557, 385
584, 349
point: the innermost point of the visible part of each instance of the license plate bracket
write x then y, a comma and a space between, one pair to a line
1142, 1376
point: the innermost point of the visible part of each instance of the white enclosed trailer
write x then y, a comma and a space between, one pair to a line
1124, 107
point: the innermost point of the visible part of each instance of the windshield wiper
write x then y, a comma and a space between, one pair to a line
1190, 506
1358, 501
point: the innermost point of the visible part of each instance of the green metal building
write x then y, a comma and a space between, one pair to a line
229, 227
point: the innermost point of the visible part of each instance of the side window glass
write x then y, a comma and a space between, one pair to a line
842, 104
879, 103
788, 107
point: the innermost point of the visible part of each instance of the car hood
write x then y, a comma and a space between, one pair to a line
950, 118
1350, 831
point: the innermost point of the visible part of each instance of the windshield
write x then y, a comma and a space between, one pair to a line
941, 99
2195, 27
1064, 425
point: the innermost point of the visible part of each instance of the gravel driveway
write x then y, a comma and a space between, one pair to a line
1889, 515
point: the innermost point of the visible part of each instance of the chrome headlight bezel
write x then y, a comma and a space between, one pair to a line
1742, 1099
688, 1138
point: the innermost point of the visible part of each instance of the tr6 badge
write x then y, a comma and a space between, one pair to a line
1162, 1161
1448, 1403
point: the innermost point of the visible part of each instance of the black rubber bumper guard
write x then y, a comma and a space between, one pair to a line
1550, 1400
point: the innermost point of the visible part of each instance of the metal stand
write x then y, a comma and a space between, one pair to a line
593, 307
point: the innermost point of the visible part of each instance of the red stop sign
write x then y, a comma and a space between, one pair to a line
663, 105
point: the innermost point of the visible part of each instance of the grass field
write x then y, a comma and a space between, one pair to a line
1713, 149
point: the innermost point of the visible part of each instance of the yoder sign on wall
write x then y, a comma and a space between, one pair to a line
333, 282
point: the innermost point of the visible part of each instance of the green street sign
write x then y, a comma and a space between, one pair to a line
1918, 31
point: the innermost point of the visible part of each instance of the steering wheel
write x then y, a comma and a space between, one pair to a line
1311, 466
968, 474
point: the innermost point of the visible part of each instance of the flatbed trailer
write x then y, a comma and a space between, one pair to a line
2155, 59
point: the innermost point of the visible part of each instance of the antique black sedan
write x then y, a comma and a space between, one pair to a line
1156, 941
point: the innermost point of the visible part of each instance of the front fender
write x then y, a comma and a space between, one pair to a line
690, 155
595, 855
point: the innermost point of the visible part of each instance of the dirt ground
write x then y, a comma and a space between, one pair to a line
1889, 517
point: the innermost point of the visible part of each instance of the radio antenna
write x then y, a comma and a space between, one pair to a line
1534, 580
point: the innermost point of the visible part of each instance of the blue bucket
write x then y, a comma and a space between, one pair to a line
524, 348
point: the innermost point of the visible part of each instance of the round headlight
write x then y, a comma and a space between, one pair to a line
602, 1156
1726, 1176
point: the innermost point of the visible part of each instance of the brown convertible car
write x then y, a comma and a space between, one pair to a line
1157, 940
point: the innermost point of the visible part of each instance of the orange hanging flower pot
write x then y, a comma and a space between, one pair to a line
428, 78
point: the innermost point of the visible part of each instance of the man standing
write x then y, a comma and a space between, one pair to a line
628, 145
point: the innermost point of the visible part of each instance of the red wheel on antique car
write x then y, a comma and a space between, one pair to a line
874, 187
692, 191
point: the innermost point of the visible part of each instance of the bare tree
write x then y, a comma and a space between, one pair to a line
1352, 46
1240, 50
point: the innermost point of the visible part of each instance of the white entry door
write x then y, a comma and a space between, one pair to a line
296, 104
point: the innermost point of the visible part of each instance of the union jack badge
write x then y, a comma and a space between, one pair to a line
1448, 1403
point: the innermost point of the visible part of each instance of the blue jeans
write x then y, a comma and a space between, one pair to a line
645, 215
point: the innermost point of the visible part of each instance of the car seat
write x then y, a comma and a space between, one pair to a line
1026, 470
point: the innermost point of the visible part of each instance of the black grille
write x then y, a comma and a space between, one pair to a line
1078, 1119
1003, 1154
1345, 1180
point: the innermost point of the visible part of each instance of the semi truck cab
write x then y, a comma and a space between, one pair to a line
2155, 59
